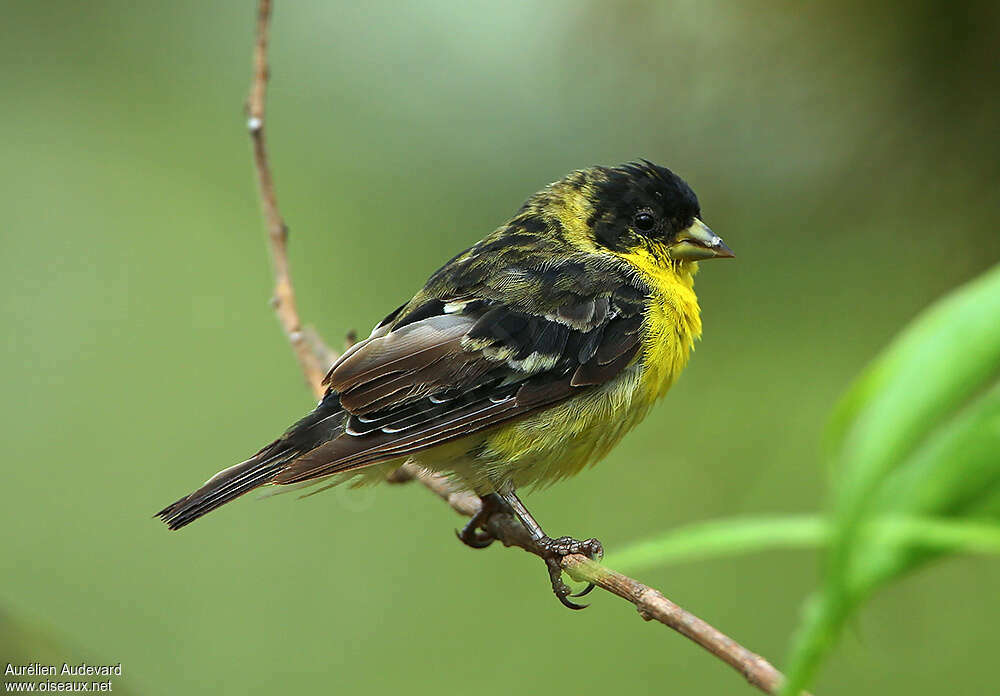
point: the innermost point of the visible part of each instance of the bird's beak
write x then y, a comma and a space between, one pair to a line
698, 243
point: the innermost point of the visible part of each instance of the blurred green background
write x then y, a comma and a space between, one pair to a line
847, 152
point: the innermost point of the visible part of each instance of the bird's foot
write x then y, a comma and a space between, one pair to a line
553, 551
474, 533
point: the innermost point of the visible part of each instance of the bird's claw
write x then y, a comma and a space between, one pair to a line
553, 551
559, 588
472, 535
585, 591
477, 535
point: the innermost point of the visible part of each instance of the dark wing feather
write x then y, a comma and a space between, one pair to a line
445, 376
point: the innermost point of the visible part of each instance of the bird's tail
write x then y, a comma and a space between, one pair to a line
318, 427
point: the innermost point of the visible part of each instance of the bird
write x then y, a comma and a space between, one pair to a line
522, 360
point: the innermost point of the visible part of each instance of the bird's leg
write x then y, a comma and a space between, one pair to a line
552, 550
474, 533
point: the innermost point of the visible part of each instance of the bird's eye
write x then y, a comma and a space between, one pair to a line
644, 221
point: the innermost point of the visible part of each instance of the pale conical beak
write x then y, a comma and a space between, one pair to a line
698, 243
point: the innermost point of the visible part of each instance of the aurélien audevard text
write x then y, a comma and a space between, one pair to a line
33, 669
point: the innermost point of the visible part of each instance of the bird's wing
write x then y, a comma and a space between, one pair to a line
441, 368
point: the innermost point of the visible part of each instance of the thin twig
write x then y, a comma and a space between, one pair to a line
315, 357
277, 231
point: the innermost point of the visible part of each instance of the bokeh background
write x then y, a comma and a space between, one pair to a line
847, 151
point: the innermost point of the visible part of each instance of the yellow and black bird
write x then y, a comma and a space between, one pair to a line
522, 360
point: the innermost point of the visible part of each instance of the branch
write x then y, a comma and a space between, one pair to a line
277, 232
315, 358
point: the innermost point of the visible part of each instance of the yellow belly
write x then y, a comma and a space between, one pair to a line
559, 441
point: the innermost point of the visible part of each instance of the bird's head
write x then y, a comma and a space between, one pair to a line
641, 208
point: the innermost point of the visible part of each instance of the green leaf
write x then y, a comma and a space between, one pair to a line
743, 535
942, 360
918, 434
956, 472
719, 538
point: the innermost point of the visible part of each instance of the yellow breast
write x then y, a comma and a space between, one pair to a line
673, 321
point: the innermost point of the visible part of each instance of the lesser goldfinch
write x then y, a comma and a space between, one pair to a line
524, 359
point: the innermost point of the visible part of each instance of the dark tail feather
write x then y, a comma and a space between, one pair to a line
318, 427
220, 489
